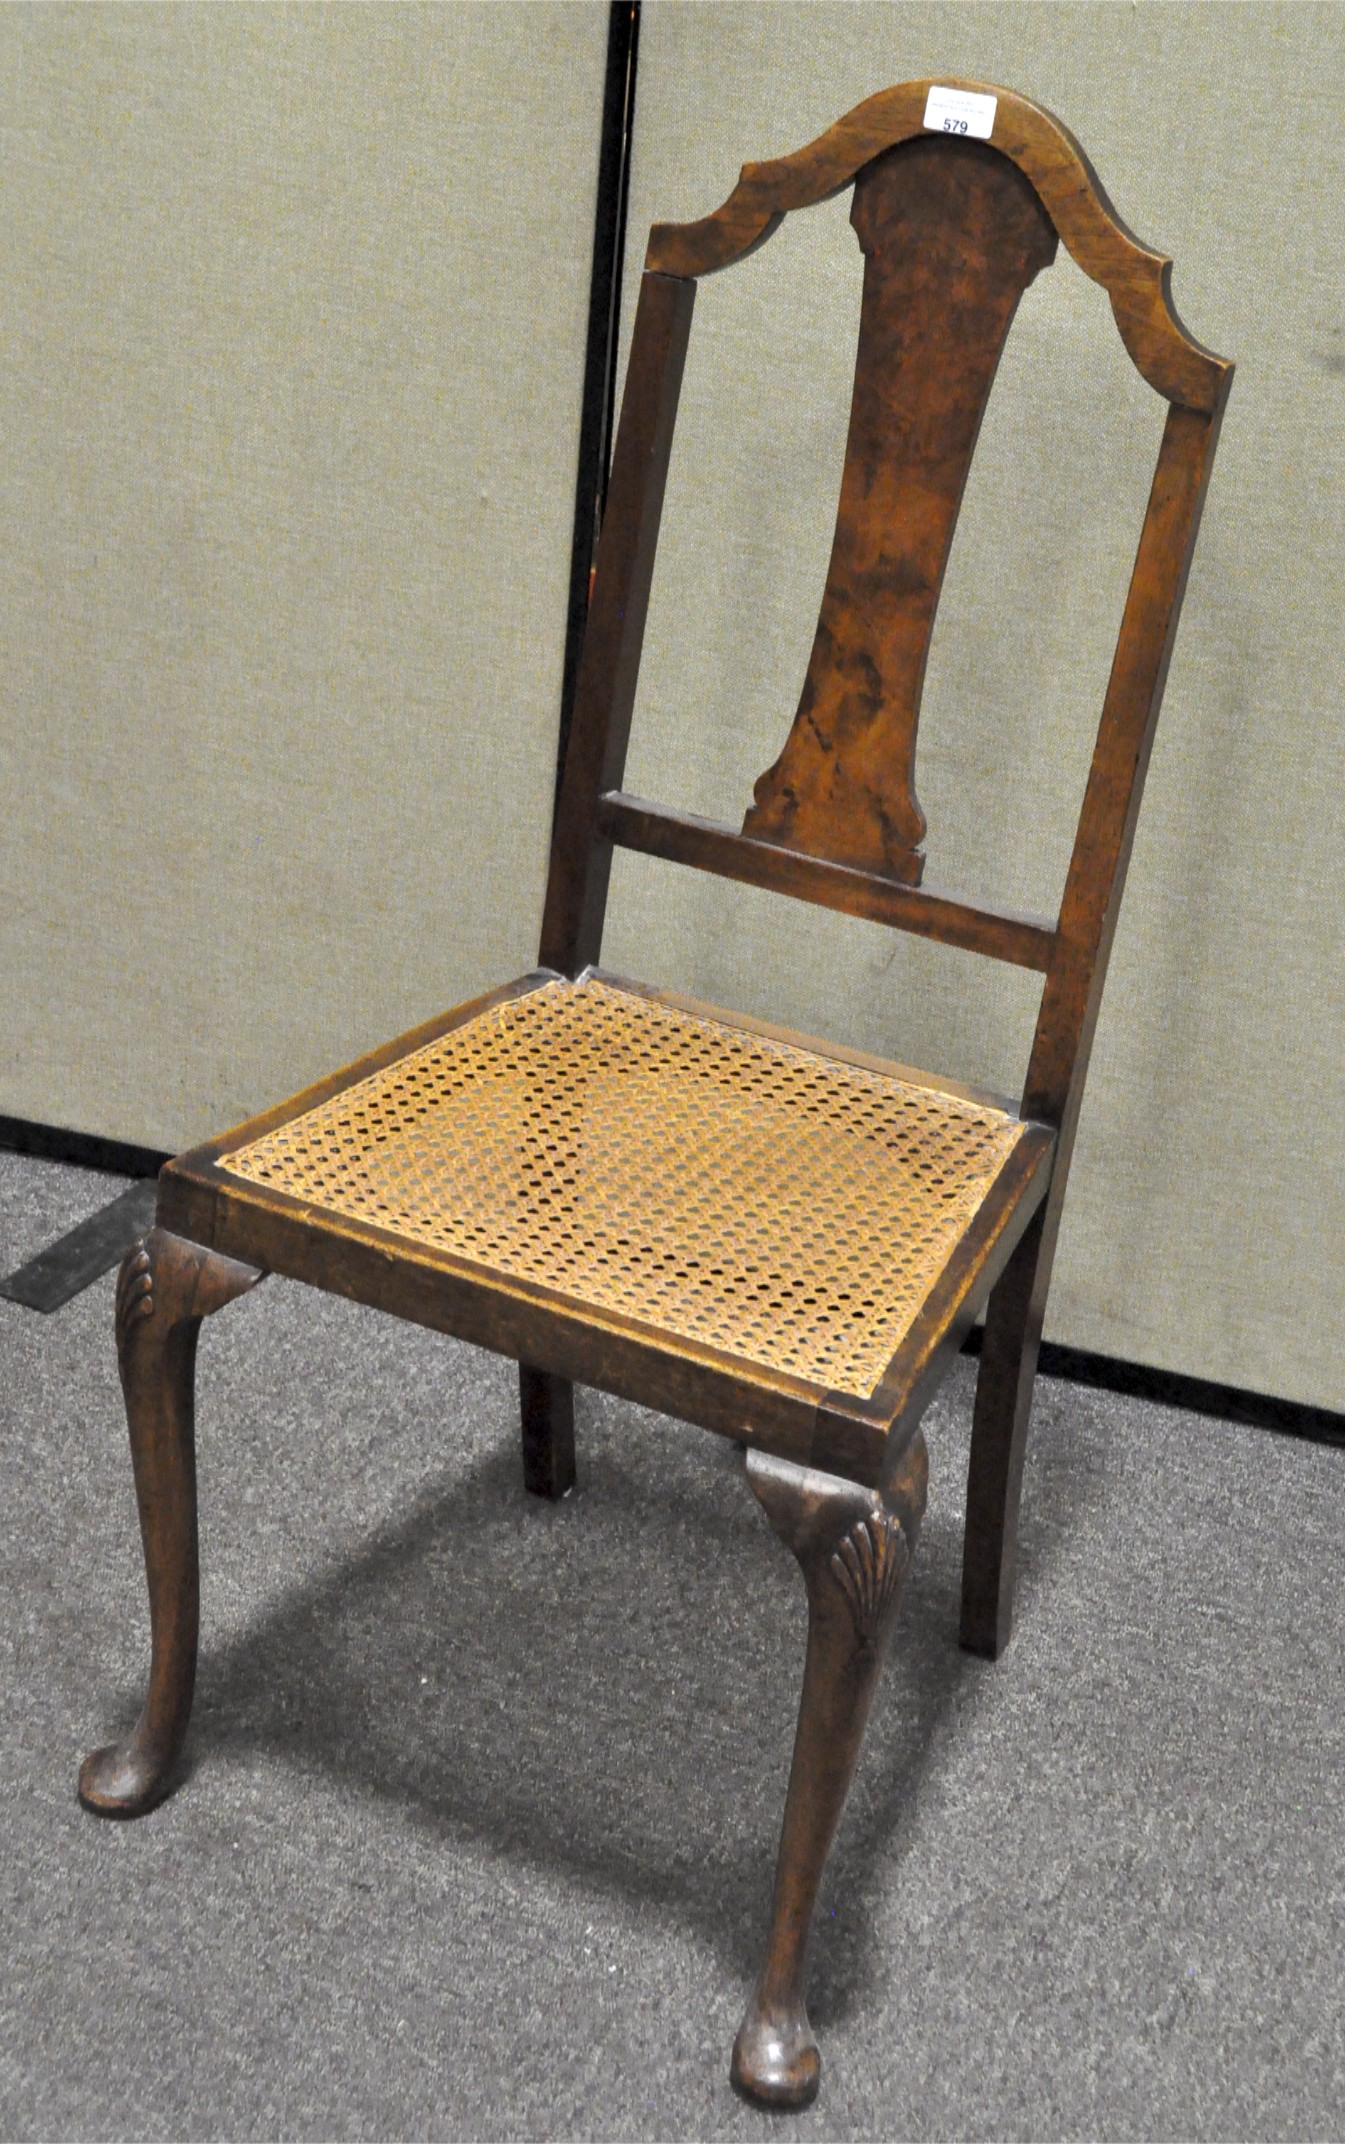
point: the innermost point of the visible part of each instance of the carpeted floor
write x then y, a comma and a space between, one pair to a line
479, 1833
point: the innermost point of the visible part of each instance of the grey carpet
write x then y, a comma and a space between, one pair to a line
479, 1832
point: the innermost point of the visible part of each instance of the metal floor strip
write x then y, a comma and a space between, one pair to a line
75, 1261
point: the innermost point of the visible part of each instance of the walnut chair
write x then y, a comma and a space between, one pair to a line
780, 1239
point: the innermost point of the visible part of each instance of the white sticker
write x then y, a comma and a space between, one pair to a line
960, 111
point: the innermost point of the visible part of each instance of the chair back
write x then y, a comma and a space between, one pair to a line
953, 229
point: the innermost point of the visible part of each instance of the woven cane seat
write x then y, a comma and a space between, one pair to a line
732, 1190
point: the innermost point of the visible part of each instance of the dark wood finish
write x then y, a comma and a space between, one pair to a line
739, 1399
952, 234
1136, 279
581, 858
1069, 1008
530, 1323
1106, 831
681, 837
955, 1301
548, 1410
547, 1407
164, 1289
853, 1549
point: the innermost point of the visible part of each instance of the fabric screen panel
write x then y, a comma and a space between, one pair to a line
1205, 1228
295, 304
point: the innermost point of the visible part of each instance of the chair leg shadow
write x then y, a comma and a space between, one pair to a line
606, 1688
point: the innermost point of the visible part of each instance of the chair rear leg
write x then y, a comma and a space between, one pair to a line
1000, 1423
547, 1405
853, 1545
165, 1288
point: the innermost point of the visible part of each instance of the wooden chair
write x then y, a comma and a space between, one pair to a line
777, 1238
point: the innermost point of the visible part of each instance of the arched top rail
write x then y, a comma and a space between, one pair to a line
1137, 281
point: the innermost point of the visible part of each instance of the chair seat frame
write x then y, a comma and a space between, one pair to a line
842, 1477
862, 1438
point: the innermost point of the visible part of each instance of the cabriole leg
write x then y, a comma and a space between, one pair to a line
548, 1432
853, 1545
165, 1288
1004, 1387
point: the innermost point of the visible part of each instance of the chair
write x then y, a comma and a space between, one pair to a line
801, 1280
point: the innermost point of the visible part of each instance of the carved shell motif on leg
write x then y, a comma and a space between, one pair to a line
868, 1566
135, 1291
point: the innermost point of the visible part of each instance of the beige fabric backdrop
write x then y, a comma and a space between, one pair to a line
1206, 1226
293, 305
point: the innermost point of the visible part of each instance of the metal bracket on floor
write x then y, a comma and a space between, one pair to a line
75, 1261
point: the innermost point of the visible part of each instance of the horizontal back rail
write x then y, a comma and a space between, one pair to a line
680, 837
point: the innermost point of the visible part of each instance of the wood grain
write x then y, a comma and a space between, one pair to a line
1137, 279
165, 1288
952, 234
558, 1338
853, 1550
1070, 1004
609, 668
704, 844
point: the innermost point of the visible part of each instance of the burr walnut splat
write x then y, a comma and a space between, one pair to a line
952, 235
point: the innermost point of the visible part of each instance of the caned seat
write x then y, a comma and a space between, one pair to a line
657, 1163
778, 1238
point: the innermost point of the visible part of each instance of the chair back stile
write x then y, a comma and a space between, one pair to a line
609, 667
1071, 1000
1095, 879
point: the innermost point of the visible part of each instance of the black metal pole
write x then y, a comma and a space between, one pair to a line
597, 410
